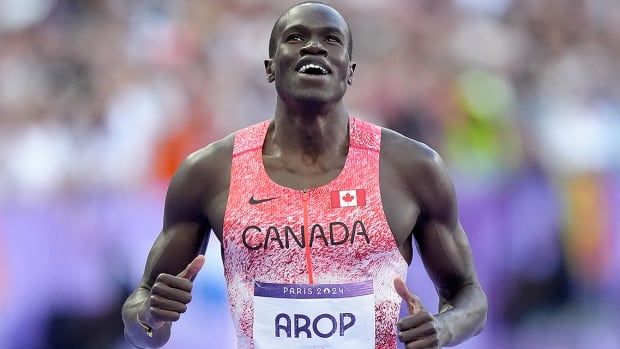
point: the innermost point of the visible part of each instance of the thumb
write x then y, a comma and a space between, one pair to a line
414, 304
193, 268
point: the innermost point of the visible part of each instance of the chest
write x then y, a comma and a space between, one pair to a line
296, 174
273, 216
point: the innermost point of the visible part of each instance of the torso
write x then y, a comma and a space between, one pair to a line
400, 206
397, 202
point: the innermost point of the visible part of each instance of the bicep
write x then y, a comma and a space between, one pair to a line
441, 240
185, 229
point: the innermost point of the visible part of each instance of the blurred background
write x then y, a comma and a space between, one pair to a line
100, 100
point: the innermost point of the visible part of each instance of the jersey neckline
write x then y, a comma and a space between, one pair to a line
343, 170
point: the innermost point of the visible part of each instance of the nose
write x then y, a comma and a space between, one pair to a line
313, 48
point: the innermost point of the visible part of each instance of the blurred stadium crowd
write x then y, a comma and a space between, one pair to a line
101, 99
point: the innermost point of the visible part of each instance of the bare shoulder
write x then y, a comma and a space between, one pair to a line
409, 156
420, 167
210, 162
207, 170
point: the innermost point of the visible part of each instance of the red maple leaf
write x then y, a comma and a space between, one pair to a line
348, 197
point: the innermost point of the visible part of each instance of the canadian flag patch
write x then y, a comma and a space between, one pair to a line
348, 198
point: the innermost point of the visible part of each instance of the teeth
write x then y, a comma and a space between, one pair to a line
305, 67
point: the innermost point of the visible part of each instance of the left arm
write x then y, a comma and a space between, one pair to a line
446, 255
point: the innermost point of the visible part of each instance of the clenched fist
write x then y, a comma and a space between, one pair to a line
170, 295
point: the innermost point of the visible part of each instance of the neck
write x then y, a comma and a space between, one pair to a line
311, 132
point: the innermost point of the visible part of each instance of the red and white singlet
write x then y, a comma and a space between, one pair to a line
311, 268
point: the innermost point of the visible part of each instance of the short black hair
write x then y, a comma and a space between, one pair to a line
273, 41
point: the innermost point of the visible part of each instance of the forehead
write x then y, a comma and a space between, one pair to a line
313, 16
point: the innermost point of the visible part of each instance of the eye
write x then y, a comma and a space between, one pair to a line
294, 38
333, 39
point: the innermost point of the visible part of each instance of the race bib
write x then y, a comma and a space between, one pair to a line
307, 316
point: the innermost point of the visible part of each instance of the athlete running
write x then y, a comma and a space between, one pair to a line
316, 212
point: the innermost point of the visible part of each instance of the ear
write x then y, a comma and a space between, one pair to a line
352, 66
269, 70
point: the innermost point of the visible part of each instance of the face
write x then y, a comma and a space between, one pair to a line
311, 63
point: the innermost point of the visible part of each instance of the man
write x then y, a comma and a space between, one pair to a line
314, 246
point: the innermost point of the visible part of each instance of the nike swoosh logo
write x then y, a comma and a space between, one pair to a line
260, 201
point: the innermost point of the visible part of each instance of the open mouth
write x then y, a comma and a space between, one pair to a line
312, 69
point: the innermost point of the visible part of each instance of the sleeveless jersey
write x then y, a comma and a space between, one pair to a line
333, 234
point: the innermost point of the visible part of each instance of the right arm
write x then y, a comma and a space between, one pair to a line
165, 287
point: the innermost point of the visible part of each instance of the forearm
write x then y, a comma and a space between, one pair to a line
463, 316
136, 334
